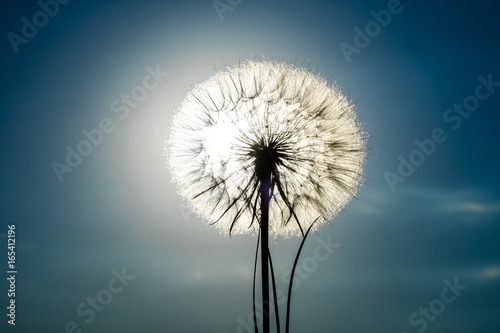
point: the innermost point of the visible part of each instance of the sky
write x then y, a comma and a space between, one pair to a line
105, 244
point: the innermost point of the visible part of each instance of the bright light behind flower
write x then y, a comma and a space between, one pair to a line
318, 148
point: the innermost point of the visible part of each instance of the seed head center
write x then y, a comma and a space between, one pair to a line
265, 161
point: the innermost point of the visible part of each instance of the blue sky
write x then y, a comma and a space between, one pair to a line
111, 226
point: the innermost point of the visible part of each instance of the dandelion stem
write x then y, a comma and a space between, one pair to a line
287, 329
275, 295
253, 289
264, 249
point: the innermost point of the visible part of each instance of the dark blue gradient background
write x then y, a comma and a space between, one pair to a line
118, 208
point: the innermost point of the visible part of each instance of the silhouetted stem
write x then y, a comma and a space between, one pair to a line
275, 295
253, 289
287, 330
264, 251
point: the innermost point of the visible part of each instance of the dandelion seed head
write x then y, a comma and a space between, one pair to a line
268, 118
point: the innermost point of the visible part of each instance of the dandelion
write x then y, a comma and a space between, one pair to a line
306, 130
266, 147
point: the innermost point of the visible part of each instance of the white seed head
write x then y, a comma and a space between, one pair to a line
317, 148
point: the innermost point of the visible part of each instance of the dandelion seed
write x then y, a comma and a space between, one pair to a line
266, 118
